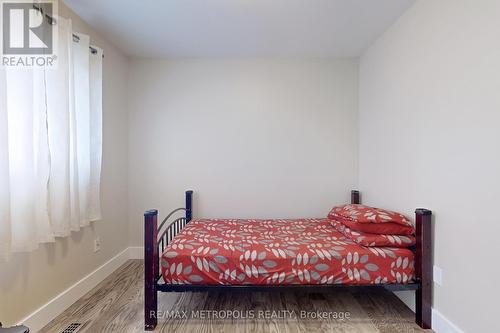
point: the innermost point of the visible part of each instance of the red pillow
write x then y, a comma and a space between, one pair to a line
388, 228
365, 214
374, 240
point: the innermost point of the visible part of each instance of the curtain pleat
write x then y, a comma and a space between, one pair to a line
81, 65
5, 232
60, 110
95, 133
27, 160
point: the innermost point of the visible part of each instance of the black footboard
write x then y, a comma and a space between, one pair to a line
156, 238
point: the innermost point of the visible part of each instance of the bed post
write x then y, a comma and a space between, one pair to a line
151, 269
423, 268
355, 197
189, 205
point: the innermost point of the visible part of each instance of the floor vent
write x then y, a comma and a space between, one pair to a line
72, 328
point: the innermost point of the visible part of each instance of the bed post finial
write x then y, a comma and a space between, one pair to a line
423, 267
355, 197
189, 205
151, 269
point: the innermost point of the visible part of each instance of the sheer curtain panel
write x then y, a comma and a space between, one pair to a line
50, 145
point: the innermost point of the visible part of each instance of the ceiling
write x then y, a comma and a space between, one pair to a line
240, 28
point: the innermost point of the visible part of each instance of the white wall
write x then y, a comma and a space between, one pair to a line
253, 138
430, 136
29, 280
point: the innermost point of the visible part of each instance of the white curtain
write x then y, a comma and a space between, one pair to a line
94, 205
50, 145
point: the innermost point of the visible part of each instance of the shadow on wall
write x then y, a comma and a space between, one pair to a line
19, 265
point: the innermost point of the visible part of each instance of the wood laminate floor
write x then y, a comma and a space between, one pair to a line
116, 305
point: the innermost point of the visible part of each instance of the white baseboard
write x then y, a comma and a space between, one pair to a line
407, 297
43, 315
441, 324
47, 312
136, 252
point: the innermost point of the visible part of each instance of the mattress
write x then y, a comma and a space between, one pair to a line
278, 252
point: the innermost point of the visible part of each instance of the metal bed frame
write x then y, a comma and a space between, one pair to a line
156, 238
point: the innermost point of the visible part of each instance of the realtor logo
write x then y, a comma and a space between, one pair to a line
27, 27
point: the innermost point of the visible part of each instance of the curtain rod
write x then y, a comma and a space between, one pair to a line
52, 21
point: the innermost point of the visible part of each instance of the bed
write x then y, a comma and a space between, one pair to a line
278, 252
182, 254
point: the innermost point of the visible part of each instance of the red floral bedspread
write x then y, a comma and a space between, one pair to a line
301, 251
